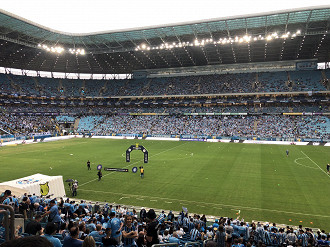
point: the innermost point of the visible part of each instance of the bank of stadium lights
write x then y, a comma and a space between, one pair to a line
221, 41
60, 50
77, 51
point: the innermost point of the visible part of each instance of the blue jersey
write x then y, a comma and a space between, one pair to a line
268, 240
194, 234
12, 201
97, 236
54, 215
161, 218
303, 238
191, 226
114, 224
129, 241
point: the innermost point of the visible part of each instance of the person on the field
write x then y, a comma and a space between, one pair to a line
142, 171
89, 165
99, 174
328, 168
287, 153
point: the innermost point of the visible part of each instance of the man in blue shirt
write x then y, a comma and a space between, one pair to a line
54, 215
174, 238
116, 226
72, 240
98, 234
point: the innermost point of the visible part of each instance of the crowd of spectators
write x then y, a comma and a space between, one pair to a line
181, 85
263, 127
27, 125
108, 121
64, 222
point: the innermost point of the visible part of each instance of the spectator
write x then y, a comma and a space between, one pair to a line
72, 240
89, 242
50, 230
34, 227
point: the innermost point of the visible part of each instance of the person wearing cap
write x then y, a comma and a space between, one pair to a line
54, 215
152, 229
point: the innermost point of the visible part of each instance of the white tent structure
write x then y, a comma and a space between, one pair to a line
39, 184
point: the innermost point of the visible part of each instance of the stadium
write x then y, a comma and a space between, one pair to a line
231, 115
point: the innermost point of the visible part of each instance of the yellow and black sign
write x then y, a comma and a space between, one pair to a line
44, 189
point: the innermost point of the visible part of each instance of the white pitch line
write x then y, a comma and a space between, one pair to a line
153, 200
210, 203
296, 161
132, 164
123, 197
316, 164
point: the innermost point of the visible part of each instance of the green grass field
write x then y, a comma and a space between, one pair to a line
208, 178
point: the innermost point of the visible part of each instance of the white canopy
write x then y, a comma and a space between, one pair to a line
39, 184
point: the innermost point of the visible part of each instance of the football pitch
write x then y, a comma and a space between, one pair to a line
257, 182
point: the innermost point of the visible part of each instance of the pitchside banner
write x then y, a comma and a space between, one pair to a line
115, 169
308, 65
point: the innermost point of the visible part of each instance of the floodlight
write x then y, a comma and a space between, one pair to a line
269, 37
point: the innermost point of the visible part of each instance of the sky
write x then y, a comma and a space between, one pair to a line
85, 16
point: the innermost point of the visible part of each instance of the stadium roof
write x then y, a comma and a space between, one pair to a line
273, 36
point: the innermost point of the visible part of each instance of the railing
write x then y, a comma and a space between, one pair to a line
9, 223
199, 244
